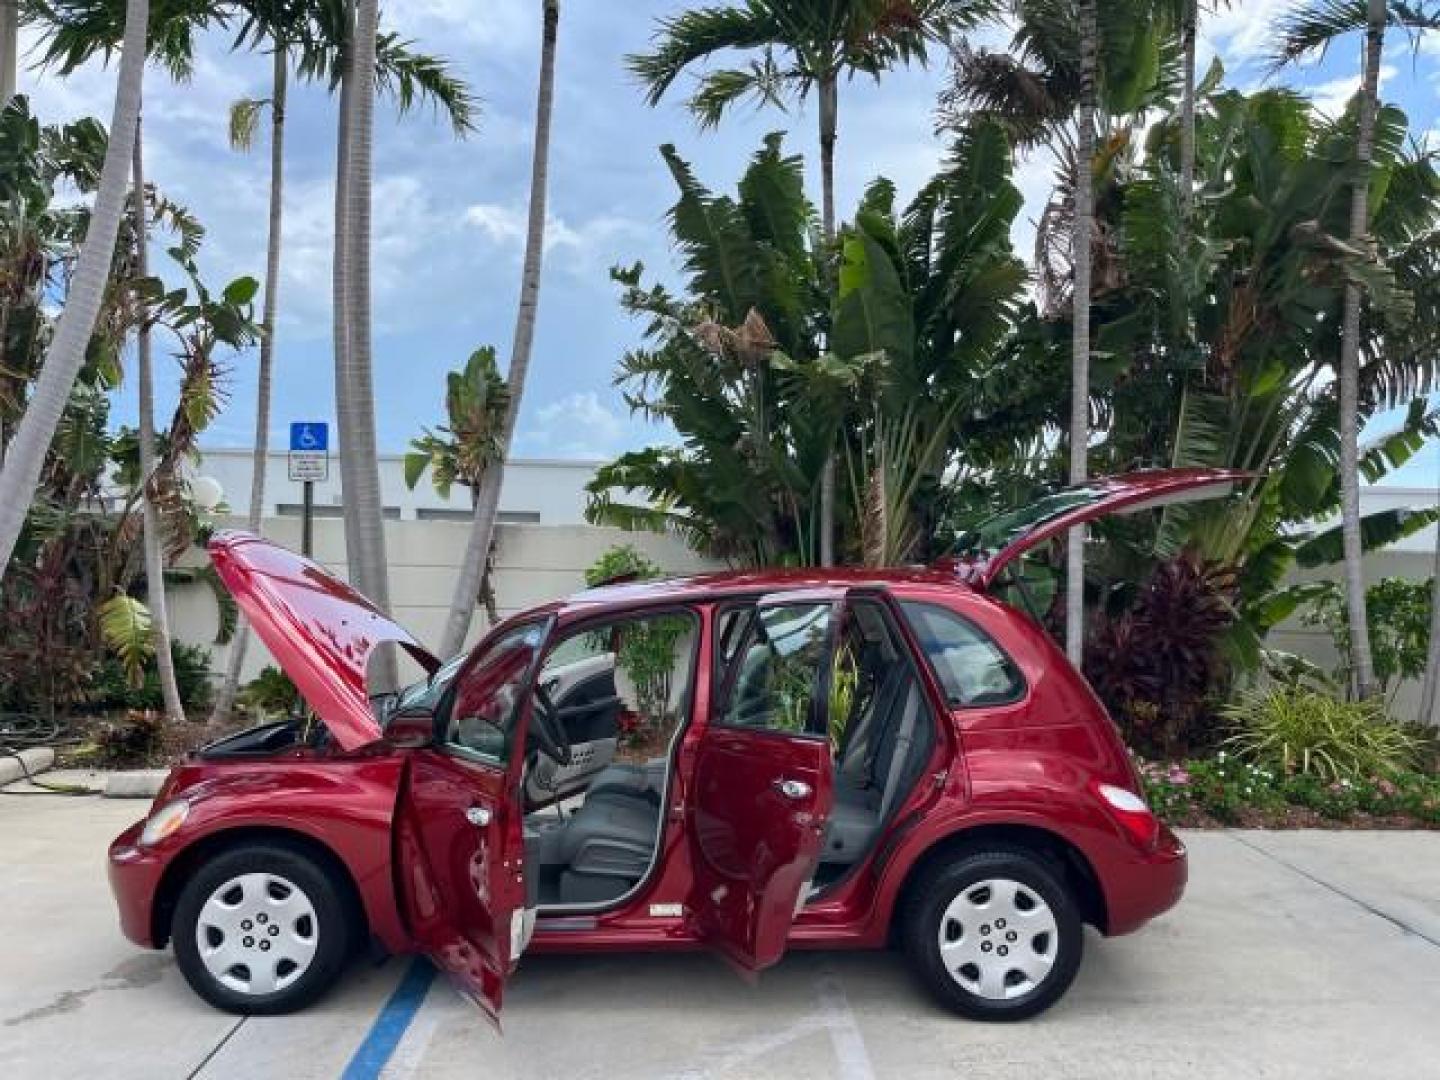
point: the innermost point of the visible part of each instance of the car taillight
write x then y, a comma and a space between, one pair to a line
1132, 813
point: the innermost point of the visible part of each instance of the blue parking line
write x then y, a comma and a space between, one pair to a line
390, 1026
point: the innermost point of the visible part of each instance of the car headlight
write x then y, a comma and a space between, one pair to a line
164, 822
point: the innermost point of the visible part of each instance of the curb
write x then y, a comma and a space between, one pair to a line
134, 784
37, 759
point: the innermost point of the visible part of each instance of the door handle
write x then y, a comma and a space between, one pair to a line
479, 816
794, 790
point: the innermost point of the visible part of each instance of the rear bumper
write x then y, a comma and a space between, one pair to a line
1145, 884
134, 879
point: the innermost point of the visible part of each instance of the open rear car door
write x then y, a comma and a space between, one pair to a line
764, 780
984, 552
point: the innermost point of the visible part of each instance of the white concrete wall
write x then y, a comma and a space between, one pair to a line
534, 564
552, 492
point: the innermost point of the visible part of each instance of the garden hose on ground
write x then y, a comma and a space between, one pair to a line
47, 788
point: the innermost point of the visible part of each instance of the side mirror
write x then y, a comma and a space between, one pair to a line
411, 729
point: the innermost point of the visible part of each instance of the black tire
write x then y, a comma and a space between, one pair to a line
335, 927
925, 908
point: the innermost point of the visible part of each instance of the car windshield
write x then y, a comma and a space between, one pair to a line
997, 532
425, 693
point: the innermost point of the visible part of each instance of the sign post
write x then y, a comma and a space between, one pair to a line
309, 462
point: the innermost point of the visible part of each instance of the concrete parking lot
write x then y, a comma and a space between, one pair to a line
1293, 954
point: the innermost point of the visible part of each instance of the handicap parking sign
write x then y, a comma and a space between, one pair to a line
309, 452
307, 436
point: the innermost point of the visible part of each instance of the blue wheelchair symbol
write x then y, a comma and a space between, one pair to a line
309, 436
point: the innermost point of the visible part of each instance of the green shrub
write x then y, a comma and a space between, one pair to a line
270, 692
112, 689
1298, 731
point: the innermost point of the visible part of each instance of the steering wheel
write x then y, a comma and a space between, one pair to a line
550, 735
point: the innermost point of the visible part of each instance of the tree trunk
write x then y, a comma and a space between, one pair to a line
829, 118
1362, 666
340, 290
66, 354
225, 699
1430, 688
1080, 330
145, 377
1187, 111
482, 530
9, 50
370, 571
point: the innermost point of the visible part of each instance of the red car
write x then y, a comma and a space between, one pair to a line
746, 762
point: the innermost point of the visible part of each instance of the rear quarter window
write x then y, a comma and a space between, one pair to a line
971, 667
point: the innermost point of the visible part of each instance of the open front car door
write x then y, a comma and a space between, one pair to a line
459, 832
763, 777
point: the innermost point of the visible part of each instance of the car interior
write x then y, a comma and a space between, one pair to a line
618, 695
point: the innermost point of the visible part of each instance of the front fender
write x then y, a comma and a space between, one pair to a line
346, 805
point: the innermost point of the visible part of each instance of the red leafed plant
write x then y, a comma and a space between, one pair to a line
1160, 666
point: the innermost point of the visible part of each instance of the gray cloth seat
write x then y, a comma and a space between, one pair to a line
646, 781
604, 848
872, 767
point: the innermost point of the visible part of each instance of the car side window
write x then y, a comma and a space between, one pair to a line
775, 680
971, 667
488, 698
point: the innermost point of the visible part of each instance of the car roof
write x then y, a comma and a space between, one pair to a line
720, 584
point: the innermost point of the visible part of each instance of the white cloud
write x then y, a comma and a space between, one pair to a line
1245, 32
588, 241
1331, 97
578, 425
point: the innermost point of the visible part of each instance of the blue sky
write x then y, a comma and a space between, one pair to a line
449, 216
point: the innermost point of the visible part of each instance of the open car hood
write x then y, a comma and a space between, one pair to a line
986, 550
319, 629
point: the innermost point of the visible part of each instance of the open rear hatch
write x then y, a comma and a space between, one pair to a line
983, 552
320, 630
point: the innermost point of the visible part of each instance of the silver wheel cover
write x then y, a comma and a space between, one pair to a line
257, 933
998, 939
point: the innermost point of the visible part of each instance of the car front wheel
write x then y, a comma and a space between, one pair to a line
261, 929
994, 935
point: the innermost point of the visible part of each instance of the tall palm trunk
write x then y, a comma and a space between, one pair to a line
482, 530
1080, 328
1361, 662
340, 289
829, 119
1430, 688
225, 699
66, 354
9, 49
1188, 21
369, 570
145, 377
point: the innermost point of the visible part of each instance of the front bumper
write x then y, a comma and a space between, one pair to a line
135, 875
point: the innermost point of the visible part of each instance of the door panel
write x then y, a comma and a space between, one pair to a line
763, 784
759, 847
461, 853
461, 833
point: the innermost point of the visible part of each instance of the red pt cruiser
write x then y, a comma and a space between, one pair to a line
746, 762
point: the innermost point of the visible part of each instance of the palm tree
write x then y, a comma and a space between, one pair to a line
1304, 32
820, 41
9, 49
463, 449
482, 531
355, 396
1080, 328
66, 354
242, 129
145, 377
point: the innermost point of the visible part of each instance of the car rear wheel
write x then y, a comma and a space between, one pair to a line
261, 929
994, 935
